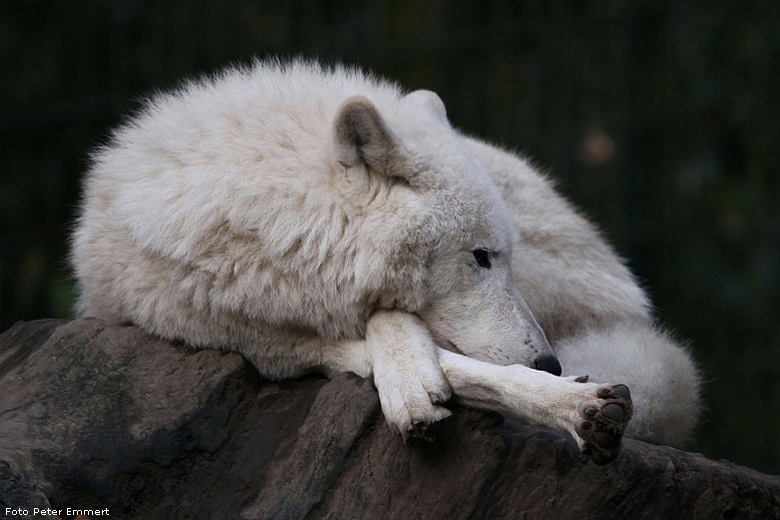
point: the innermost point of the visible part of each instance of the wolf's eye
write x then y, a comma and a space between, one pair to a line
483, 257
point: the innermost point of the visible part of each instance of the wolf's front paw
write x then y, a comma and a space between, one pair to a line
603, 421
411, 400
411, 413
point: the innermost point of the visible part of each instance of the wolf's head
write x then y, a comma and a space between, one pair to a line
458, 232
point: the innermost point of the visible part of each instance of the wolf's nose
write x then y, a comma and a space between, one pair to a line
549, 364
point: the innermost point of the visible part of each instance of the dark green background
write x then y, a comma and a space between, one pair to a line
679, 100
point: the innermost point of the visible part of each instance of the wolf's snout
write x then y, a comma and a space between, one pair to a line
548, 363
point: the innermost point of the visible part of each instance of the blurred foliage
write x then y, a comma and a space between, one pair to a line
659, 119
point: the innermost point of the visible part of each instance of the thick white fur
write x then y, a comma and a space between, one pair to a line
315, 218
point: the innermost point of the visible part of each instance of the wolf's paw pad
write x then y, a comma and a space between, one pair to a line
604, 420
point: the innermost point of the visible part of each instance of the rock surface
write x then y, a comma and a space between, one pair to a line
96, 416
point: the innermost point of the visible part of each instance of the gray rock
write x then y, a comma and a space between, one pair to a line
95, 415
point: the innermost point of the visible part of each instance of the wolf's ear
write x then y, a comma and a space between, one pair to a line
361, 136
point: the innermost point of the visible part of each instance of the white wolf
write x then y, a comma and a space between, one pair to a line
317, 219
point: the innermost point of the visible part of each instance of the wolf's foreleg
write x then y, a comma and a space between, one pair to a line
595, 414
400, 356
